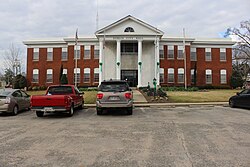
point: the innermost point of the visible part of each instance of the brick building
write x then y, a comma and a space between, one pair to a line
133, 50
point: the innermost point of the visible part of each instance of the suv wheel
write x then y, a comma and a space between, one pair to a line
231, 103
15, 110
99, 111
130, 111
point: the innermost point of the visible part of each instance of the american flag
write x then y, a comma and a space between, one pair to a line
76, 38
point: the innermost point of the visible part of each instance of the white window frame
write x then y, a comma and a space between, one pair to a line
161, 71
86, 75
170, 73
170, 48
223, 76
180, 75
35, 76
49, 54
77, 52
77, 73
192, 75
193, 51
180, 50
209, 76
223, 52
64, 51
35, 54
161, 52
96, 75
87, 52
208, 52
96, 51
49, 76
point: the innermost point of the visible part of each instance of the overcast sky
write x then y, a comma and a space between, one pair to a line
32, 19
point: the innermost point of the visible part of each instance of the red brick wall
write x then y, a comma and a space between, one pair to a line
215, 65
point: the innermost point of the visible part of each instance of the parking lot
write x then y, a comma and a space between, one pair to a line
195, 136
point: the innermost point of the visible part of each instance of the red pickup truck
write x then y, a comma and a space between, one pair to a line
58, 98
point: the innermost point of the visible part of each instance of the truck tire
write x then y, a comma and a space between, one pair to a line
71, 111
39, 113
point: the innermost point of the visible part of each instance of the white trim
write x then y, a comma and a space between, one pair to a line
49, 49
222, 49
49, 71
180, 70
36, 50
170, 47
208, 72
223, 71
161, 70
192, 49
35, 71
170, 70
65, 49
96, 70
208, 49
86, 70
87, 47
77, 70
65, 71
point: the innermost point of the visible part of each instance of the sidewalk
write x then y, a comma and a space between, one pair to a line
140, 101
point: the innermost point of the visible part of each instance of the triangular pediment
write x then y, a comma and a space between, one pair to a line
129, 25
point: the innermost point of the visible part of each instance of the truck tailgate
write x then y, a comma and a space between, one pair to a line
48, 100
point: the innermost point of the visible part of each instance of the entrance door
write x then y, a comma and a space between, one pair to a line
131, 76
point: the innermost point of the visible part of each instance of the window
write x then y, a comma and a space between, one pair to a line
223, 76
65, 71
49, 54
35, 76
64, 54
96, 75
208, 76
86, 76
129, 48
36, 54
17, 94
170, 52
49, 76
170, 75
208, 56
180, 75
180, 52
77, 52
77, 75
161, 52
96, 52
87, 52
193, 54
223, 54
129, 29
192, 76
161, 75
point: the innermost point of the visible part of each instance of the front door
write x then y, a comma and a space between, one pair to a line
131, 76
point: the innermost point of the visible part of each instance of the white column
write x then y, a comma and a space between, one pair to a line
157, 61
118, 59
139, 62
100, 61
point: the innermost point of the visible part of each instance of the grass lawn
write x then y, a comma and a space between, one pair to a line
199, 96
173, 96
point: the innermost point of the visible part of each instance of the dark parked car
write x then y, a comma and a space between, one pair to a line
114, 94
13, 100
241, 99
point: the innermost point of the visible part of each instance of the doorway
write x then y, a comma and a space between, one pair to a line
131, 76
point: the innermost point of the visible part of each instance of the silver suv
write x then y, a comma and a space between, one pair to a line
114, 94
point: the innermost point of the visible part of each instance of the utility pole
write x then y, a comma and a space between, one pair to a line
185, 59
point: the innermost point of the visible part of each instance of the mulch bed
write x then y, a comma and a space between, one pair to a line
156, 99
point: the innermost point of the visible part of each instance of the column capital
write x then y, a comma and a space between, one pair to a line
118, 40
139, 40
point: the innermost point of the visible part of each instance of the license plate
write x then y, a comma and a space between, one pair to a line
114, 98
48, 109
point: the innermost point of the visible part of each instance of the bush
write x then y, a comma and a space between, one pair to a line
190, 89
88, 89
19, 82
35, 88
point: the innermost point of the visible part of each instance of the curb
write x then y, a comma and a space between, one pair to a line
224, 104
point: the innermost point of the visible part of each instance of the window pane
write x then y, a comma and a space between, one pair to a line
161, 54
77, 54
96, 77
170, 54
86, 54
222, 56
208, 79
86, 77
180, 78
96, 54
49, 78
171, 78
35, 78
180, 54
49, 56
64, 55
208, 56
161, 78
36, 56
193, 56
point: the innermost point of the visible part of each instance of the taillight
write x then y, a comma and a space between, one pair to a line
128, 95
7, 100
66, 100
99, 96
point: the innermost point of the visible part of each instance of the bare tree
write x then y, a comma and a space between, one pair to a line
241, 50
12, 59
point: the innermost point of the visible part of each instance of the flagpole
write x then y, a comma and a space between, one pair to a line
185, 59
76, 40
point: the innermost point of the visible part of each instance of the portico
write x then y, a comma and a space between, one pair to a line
129, 47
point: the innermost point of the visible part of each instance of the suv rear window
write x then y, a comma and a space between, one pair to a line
114, 87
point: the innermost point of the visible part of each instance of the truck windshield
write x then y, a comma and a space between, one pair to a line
58, 90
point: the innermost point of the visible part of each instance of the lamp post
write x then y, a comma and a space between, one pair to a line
154, 83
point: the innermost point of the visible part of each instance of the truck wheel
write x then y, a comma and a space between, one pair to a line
130, 111
39, 113
99, 111
15, 110
71, 111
